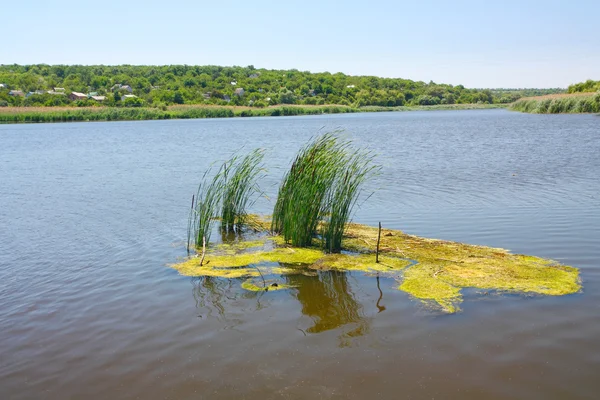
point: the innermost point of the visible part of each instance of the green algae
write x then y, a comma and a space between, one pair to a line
254, 285
229, 261
360, 262
239, 245
430, 270
444, 268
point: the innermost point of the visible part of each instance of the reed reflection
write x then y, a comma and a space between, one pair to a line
329, 301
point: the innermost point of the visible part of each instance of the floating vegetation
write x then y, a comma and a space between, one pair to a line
255, 285
443, 268
432, 271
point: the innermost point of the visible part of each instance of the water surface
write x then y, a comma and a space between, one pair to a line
91, 214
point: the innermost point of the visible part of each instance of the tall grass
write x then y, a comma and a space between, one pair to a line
205, 207
73, 114
239, 176
319, 192
227, 195
575, 103
358, 168
304, 188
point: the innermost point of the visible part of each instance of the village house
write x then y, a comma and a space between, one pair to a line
254, 76
36, 92
206, 95
98, 98
119, 86
128, 96
16, 93
3, 86
239, 92
59, 90
77, 96
227, 98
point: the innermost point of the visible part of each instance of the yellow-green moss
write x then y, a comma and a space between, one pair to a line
233, 265
192, 268
444, 267
268, 286
433, 271
240, 245
360, 262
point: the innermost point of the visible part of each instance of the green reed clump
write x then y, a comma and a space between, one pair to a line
239, 184
226, 195
304, 189
319, 191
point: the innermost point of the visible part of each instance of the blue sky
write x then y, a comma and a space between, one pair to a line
507, 43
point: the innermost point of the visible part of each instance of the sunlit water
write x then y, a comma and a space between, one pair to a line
91, 214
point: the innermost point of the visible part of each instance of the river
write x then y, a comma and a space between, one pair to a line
92, 214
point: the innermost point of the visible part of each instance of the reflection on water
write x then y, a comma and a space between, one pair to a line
329, 301
211, 294
325, 297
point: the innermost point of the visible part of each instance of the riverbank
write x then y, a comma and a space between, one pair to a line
79, 114
574, 103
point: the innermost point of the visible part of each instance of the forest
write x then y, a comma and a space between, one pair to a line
156, 86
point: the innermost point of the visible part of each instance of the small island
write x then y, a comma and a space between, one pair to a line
310, 231
432, 271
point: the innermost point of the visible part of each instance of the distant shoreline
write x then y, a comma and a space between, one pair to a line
16, 115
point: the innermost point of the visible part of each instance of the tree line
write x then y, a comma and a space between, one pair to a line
186, 84
585, 87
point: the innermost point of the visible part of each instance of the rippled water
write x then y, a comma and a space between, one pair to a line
91, 214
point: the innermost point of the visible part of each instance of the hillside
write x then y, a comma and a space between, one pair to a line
127, 85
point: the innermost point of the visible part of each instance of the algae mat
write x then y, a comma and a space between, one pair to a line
432, 271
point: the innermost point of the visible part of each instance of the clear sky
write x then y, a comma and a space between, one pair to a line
484, 43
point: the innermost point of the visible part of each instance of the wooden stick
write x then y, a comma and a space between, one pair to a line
203, 250
378, 240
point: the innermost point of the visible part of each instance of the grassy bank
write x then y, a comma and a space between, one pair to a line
434, 108
74, 114
559, 103
71, 114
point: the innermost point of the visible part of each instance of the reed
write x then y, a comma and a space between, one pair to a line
205, 206
239, 176
319, 191
227, 195
558, 104
357, 169
74, 114
304, 189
